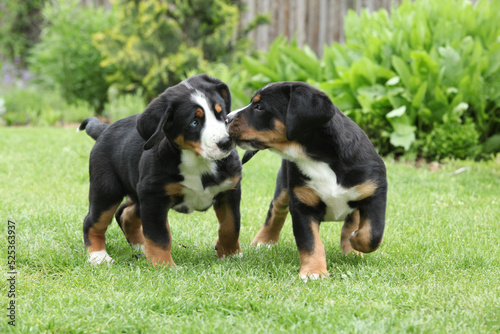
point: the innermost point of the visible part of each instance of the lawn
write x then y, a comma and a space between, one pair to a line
437, 271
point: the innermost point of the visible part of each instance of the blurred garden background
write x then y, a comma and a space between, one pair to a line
421, 77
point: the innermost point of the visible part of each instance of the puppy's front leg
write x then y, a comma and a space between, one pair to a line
227, 209
307, 210
157, 237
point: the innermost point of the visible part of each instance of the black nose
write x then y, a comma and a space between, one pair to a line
225, 144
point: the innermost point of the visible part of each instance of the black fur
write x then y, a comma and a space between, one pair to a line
93, 127
139, 157
316, 133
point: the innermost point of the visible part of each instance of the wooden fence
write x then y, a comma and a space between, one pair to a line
312, 22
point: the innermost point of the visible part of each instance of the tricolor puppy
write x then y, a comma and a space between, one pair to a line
177, 155
329, 172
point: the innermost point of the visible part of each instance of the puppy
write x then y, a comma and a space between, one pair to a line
329, 172
177, 155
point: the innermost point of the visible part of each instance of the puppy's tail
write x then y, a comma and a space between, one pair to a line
93, 127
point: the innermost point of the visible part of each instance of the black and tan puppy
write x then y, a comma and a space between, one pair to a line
177, 155
329, 172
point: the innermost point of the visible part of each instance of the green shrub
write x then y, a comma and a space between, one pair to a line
20, 23
123, 105
66, 58
428, 73
154, 44
37, 106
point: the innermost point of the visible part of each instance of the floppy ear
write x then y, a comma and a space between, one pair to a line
226, 95
157, 135
152, 120
307, 108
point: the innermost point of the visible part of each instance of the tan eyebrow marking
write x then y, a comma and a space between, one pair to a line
218, 108
199, 112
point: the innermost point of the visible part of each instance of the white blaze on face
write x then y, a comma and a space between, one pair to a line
213, 131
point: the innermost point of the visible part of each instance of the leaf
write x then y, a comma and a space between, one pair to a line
256, 67
492, 145
403, 70
393, 81
460, 108
402, 140
419, 96
396, 112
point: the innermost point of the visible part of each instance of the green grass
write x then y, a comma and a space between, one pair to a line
437, 271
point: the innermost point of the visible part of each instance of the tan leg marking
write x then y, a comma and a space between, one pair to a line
270, 232
351, 224
307, 195
132, 226
227, 244
366, 189
361, 241
96, 234
314, 263
158, 254
174, 189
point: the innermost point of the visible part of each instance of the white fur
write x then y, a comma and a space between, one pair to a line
235, 113
138, 248
213, 131
100, 257
312, 277
187, 84
196, 197
324, 181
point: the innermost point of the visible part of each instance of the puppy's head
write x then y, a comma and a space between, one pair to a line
279, 114
190, 116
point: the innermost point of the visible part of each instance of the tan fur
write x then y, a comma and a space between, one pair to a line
361, 241
173, 189
314, 262
199, 112
157, 254
194, 146
366, 189
97, 232
132, 225
227, 244
270, 232
351, 224
307, 195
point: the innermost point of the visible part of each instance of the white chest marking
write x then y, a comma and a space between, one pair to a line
196, 197
323, 181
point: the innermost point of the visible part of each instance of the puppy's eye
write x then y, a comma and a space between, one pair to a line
194, 123
258, 107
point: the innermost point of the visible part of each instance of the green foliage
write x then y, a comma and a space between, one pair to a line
38, 106
20, 23
123, 105
154, 44
427, 73
66, 58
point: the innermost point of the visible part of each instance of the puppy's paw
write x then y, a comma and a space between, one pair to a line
100, 257
313, 277
263, 244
